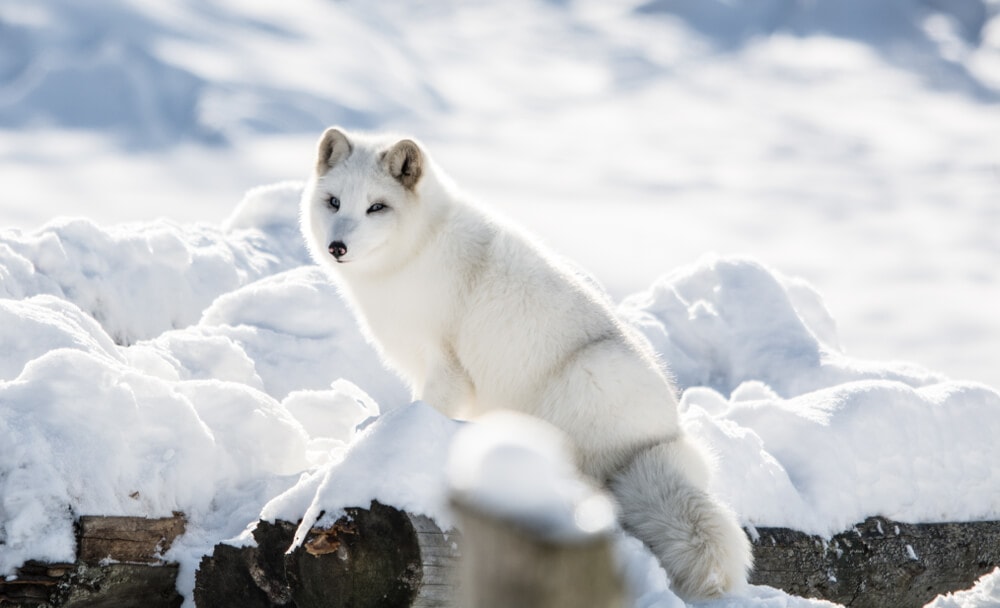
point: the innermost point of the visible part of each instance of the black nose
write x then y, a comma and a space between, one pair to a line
338, 249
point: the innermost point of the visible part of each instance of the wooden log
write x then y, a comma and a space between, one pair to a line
118, 565
224, 579
123, 586
34, 584
136, 540
83, 585
879, 563
379, 556
368, 558
439, 559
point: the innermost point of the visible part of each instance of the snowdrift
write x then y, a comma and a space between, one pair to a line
213, 370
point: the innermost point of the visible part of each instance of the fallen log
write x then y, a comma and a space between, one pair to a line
879, 563
378, 556
381, 552
119, 565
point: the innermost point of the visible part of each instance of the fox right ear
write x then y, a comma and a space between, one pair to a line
333, 148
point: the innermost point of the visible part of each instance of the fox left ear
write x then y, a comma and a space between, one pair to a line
404, 162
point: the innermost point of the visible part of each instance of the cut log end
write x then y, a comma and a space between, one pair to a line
134, 540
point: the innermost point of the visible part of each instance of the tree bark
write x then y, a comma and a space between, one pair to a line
370, 557
118, 565
879, 563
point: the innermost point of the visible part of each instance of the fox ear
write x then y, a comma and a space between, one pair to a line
404, 162
333, 148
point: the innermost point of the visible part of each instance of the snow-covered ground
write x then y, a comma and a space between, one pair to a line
154, 367
713, 163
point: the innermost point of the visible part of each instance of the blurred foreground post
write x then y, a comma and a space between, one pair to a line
535, 534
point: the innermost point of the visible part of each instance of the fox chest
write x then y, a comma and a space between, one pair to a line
408, 320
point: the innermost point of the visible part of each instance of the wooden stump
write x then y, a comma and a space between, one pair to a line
504, 566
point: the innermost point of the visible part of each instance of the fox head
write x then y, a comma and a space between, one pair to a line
361, 208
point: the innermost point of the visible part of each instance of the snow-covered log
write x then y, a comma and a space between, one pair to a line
879, 563
119, 563
369, 557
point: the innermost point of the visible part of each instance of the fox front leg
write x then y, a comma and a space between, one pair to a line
449, 389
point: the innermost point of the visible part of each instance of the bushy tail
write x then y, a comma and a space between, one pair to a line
663, 500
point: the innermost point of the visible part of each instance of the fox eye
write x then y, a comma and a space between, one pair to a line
377, 207
333, 202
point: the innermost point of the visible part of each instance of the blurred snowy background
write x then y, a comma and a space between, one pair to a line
853, 143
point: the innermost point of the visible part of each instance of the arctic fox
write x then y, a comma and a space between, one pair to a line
477, 316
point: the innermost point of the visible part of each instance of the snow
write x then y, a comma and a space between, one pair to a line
85, 434
165, 351
750, 323
789, 484
398, 460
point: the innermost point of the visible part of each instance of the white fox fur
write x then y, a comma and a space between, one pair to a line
477, 316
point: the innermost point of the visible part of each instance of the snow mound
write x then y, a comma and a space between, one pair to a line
31, 327
398, 460
136, 280
825, 460
300, 335
726, 321
87, 434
